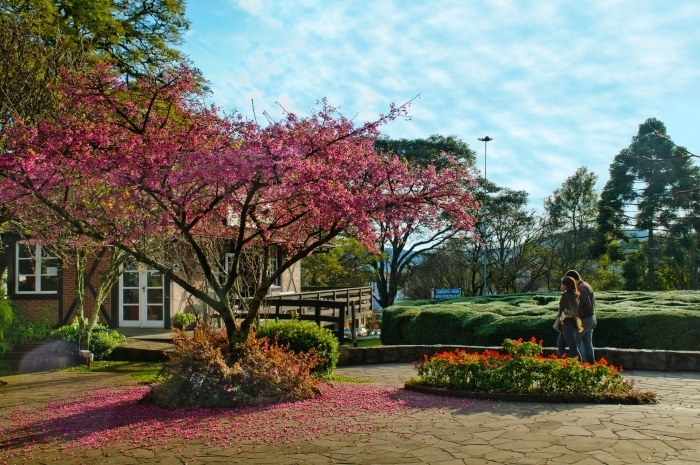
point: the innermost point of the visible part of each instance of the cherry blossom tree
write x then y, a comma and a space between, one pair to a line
441, 175
148, 162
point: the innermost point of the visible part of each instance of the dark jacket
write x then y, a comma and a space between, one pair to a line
587, 300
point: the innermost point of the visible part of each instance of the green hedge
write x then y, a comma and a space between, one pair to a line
633, 320
301, 336
17, 329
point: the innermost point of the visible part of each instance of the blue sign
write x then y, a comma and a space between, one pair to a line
446, 293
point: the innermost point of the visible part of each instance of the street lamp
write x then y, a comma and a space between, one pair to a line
485, 140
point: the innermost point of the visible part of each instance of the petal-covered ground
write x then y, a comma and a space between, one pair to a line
112, 423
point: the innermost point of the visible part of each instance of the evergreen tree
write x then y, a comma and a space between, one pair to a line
572, 211
652, 186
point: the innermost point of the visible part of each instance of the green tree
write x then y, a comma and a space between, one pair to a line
348, 264
513, 236
41, 38
29, 68
136, 35
514, 233
605, 275
653, 184
398, 251
455, 264
571, 211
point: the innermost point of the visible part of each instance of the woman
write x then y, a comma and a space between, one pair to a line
588, 319
568, 319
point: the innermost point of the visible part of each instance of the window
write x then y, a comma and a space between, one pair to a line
272, 266
36, 271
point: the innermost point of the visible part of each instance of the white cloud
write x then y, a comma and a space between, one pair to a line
558, 85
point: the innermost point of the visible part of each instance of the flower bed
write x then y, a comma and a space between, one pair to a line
522, 369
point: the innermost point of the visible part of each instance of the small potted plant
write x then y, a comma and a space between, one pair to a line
183, 320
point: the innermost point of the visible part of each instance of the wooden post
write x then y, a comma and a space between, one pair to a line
341, 325
352, 324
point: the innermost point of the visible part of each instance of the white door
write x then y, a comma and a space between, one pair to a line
141, 298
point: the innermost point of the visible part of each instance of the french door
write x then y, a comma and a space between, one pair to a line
141, 298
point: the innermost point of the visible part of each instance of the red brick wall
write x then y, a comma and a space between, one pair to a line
89, 301
31, 307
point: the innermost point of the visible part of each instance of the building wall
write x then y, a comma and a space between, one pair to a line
98, 261
60, 306
290, 282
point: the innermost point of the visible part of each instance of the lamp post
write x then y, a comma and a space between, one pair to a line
485, 140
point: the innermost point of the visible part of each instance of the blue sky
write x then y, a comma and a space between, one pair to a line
556, 84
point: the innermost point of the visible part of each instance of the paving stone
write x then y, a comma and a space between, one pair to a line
578, 444
571, 431
604, 457
589, 461
489, 433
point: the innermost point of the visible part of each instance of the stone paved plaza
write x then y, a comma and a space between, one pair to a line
435, 430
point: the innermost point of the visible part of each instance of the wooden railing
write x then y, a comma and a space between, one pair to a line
321, 305
362, 296
336, 306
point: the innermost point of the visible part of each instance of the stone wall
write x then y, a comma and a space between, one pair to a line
628, 359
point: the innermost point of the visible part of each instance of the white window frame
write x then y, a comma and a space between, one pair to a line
37, 271
274, 259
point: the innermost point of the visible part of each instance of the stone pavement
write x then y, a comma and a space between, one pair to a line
489, 433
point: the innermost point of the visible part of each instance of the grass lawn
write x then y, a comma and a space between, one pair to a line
367, 343
143, 372
344, 379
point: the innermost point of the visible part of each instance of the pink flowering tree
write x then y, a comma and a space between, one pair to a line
149, 169
441, 179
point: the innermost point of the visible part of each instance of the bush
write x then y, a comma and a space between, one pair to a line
22, 330
523, 370
200, 373
6, 317
632, 320
302, 336
102, 340
183, 319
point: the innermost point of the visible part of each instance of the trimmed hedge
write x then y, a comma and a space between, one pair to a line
626, 320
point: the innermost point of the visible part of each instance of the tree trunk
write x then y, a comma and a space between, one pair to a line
80, 265
694, 264
3, 254
650, 254
107, 281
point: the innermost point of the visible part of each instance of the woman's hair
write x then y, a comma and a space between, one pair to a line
570, 284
